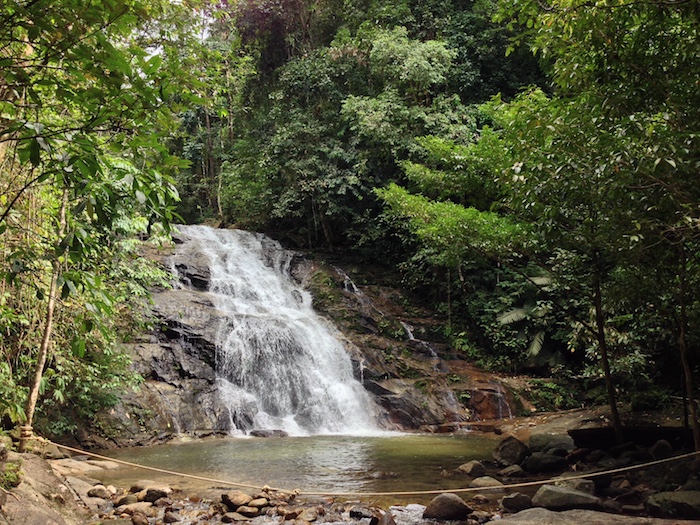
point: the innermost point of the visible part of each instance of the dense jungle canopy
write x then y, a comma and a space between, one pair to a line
529, 168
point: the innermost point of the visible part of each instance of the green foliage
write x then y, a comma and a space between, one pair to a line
86, 102
12, 395
451, 230
11, 475
548, 395
481, 66
412, 67
293, 167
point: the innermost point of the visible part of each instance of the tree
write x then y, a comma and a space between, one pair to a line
630, 70
74, 90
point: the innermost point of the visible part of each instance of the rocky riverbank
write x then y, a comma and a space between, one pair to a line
575, 485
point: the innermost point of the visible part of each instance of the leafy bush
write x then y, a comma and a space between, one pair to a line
549, 395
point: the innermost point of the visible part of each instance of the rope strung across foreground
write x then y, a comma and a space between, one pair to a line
375, 494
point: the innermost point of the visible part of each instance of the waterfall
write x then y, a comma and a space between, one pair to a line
279, 365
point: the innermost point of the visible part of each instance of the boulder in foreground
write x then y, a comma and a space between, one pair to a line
447, 506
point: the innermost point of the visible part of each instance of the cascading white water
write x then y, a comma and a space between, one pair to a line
279, 364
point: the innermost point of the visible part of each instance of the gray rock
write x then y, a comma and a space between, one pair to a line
582, 485
511, 451
447, 507
81, 486
232, 517
139, 519
259, 503
548, 442
486, 483
308, 515
472, 468
561, 498
193, 273
514, 471
679, 505
542, 462
235, 499
142, 507
99, 491
268, 433
540, 516
170, 517
153, 494
637, 510
386, 518
516, 502
359, 513
128, 499
250, 512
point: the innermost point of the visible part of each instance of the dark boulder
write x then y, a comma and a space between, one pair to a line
447, 506
268, 433
516, 502
540, 462
511, 451
678, 505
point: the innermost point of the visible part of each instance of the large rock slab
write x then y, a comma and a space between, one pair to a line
540, 516
41, 498
683, 504
545, 442
562, 498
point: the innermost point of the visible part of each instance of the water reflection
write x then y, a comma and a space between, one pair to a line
319, 463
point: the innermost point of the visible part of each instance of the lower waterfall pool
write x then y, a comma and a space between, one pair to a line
322, 464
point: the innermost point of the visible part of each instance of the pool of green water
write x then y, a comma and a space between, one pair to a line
328, 464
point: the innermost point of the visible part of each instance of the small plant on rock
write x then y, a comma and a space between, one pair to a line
11, 475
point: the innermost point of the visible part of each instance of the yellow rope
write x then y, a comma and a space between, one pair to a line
266, 488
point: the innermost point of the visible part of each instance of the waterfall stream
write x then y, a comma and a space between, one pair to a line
279, 365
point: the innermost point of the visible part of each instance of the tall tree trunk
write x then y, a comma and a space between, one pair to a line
210, 163
683, 347
26, 429
604, 356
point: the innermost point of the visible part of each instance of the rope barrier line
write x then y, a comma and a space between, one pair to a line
266, 488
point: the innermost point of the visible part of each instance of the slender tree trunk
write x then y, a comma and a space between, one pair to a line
683, 347
449, 299
604, 357
210, 163
26, 429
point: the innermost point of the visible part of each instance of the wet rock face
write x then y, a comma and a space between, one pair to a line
180, 392
489, 402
